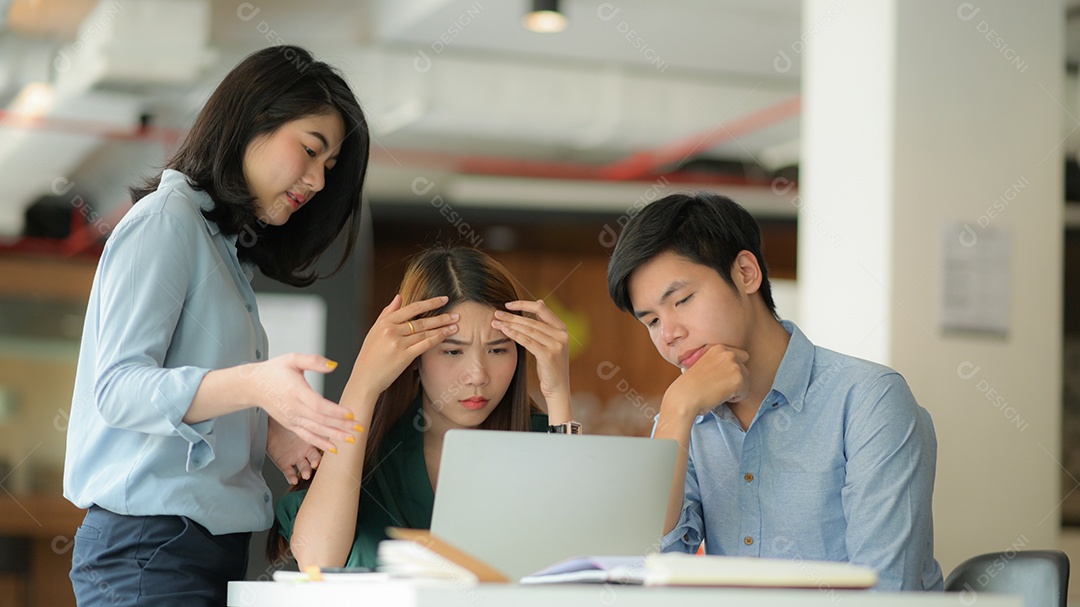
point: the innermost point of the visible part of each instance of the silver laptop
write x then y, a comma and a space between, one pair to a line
521, 501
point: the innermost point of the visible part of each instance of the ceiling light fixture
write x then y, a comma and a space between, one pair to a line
545, 18
34, 100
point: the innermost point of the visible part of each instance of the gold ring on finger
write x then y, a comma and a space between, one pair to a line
412, 329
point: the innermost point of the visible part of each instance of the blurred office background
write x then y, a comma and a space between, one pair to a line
911, 164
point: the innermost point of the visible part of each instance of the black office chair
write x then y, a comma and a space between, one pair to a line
1041, 576
15, 566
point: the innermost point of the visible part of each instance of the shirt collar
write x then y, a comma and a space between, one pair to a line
175, 179
793, 376
171, 178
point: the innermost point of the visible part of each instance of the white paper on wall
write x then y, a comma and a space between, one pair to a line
975, 273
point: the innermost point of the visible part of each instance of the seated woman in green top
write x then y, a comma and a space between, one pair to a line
448, 352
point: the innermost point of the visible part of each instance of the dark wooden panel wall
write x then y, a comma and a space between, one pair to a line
618, 377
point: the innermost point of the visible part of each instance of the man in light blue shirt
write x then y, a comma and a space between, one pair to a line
788, 450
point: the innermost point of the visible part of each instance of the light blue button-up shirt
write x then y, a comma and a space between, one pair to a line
170, 302
837, 465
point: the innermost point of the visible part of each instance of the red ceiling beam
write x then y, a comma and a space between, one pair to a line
86, 236
643, 163
638, 166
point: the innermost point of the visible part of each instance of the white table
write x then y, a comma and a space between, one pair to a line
448, 594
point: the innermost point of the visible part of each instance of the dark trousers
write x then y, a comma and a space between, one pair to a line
153, 560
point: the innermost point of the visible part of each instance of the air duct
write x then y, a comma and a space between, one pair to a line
125, 45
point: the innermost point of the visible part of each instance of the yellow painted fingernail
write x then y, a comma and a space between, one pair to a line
358, 428
350, 415
350, 439
330, 364
333, 450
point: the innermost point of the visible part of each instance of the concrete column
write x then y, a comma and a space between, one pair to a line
922, 114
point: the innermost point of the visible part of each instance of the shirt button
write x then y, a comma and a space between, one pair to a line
266, 498
749, 477
198, 462
749, 541
258, 354
249, 307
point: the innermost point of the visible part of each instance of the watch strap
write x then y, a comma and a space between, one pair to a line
570, 427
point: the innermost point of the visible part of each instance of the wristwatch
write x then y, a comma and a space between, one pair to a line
570, 427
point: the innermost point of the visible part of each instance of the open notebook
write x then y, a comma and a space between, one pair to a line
676, 569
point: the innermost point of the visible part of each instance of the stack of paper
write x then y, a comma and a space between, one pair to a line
675, 569
418, 554
404, 558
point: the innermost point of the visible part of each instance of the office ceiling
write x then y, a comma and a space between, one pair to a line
451, 86
631, 89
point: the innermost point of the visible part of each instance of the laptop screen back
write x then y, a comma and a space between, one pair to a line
521, 501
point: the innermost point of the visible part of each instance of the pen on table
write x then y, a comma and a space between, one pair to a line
315, 573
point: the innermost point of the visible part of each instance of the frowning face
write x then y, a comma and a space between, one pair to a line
465, 377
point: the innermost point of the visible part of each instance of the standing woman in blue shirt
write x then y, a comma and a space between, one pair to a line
175, 401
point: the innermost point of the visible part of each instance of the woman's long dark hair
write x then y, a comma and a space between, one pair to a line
464, 275
267, 89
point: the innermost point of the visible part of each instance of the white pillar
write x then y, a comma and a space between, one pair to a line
918, 113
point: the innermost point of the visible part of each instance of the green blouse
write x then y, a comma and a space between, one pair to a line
399, 493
